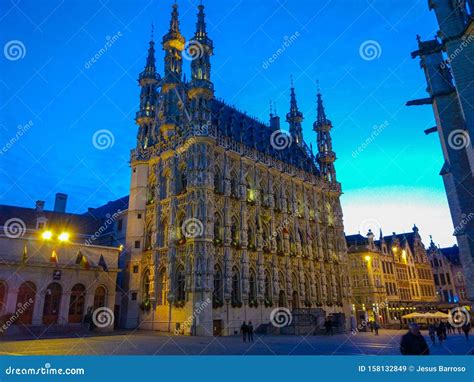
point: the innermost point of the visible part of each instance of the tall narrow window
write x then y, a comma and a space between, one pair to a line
77, 303
100, 296
180, 284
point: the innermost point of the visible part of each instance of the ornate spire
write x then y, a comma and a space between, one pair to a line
295, 117
173, 45
150, 67
148, 81
326, 156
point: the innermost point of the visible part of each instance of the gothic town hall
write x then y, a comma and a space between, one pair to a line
229, 218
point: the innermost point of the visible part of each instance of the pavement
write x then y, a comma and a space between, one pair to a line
154, 343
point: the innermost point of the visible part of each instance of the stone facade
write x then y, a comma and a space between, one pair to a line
447, 64
228, 217
390, 277
50, 285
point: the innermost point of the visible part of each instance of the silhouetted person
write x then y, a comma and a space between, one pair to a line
413, 342
466, 328
244, 331
376, 328
432, 331
328, 326
250, 331
439, 332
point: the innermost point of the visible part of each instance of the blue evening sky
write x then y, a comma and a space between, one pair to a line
391, 182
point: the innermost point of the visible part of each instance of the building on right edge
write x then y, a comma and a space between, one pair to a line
390, 277
448, 274
447, 62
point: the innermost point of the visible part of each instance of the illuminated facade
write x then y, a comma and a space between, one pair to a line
390, 277
221, 218
449, 278
50, 273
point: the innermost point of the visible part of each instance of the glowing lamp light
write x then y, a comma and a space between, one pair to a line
367, 258
394, 249
47, 235
63, 236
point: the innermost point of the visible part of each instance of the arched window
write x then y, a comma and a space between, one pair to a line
250, 236
100, 297
282, 299
217, 227
161, 287
77, 303
26, 300
180, 284
3, 295
217, 292
52, 304
252, 286
217, 180
233, 185
307, 288
268, 287
234, 230
236, 293
279, 243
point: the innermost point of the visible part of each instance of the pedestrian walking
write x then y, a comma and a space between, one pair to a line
376, 328
466, 328
371, 326
250, 331
432, 332
413, 342
244, 331
439, 332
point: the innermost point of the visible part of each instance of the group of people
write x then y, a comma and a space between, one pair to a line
441, 330
413, 342
374, 327
247, 331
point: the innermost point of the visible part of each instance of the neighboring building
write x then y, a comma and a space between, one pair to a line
448, 275
228, 216
447, 64
390, 277
55, 266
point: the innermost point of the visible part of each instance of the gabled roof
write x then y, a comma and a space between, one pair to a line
109, 209
451, 254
